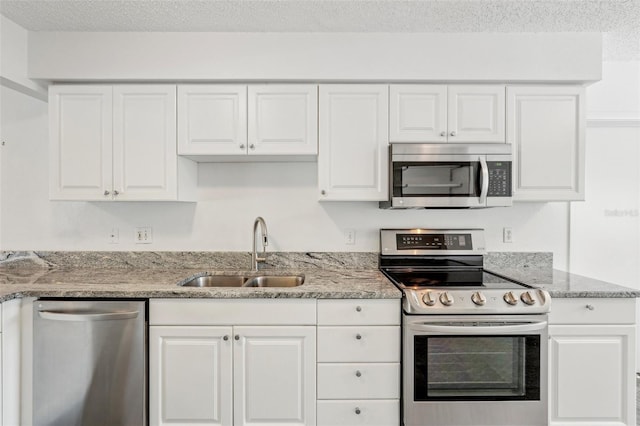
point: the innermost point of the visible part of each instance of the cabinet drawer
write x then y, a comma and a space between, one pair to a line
359, 344
359, 312
359, 381
593, 311
235, 312
358, 412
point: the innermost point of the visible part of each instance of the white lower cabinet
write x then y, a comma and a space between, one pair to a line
592, 362
358, 362
359, 412
191, 377
233, 374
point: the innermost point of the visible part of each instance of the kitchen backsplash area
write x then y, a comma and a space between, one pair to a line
528, 261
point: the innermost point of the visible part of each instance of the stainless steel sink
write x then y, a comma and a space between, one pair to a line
245, 281
275, 281
216, 281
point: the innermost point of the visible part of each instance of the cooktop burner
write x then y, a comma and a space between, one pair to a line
449, 278
476, 279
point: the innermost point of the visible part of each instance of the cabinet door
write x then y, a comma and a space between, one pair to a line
591, 375
283, 119
546, 127
212, 119
80, 155
190, 378
144, 142
476, 114
274, 376
354, 149
417, 113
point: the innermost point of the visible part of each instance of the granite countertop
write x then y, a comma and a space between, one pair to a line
327, 275
149, 283
562, 284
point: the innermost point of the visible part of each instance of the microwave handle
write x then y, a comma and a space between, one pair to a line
484, 181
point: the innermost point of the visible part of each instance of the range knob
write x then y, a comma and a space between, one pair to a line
527, 298
478, 298
428, 298
510, 298
446, 299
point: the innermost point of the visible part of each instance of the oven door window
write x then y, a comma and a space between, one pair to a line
480, 368
436, 179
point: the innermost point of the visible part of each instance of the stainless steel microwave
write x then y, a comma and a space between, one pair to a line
449, 176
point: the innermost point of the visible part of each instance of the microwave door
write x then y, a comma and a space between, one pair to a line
437, 184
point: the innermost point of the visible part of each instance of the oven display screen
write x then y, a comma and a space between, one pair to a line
433, 241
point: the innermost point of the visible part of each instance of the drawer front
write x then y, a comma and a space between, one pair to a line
359, 344
232, 312
592, 311
359, 312
359, 381
359, 412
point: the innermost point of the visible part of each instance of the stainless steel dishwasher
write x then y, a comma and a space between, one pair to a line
89, 363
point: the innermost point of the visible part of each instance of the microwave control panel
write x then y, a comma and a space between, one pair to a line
499, 178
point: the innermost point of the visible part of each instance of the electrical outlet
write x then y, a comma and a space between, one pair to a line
507, 235
350, 236
114, 236
143, 235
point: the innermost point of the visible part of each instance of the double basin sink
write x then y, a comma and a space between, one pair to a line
245, 281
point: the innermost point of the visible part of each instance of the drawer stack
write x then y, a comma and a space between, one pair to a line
358, 362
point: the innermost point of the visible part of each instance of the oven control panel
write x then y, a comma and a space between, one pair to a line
460, 241
435, 301
416, 241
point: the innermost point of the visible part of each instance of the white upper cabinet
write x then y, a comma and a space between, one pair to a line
212, 119
283, 119
116, 143
354, 148
219, 120
80, 154
546, 126
476, 114
144, 142
428, 113
418, 113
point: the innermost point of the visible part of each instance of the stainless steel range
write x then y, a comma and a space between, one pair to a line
474, 342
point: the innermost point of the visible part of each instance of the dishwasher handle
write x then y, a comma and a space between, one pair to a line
87, 315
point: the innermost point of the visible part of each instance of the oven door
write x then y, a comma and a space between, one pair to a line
475, 370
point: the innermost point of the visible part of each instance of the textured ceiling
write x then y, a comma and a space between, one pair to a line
619, 20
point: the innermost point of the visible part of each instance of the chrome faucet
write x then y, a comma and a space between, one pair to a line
254, 253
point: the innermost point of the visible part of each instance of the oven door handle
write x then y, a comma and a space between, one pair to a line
507, 328
484, 182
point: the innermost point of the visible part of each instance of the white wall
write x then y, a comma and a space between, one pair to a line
605, 229
231, 195
13, 61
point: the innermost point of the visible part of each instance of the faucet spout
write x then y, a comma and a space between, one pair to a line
255, 259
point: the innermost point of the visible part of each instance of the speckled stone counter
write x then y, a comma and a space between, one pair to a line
327, 275
561, 284
148, 275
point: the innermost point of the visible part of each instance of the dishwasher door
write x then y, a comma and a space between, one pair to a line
89, 363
